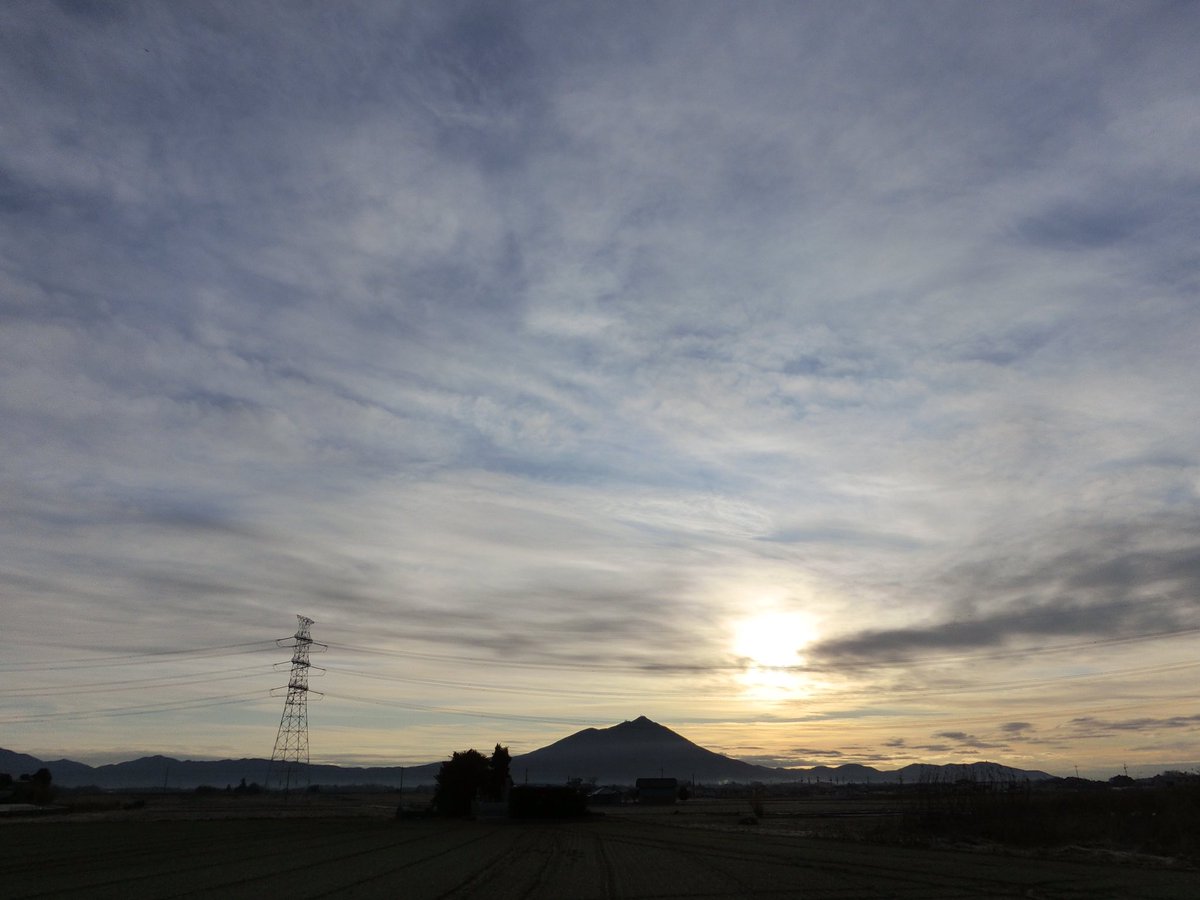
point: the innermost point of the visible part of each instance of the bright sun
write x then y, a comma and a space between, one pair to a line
773, 640
772, 643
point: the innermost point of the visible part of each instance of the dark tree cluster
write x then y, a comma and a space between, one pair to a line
468, 776
35, 788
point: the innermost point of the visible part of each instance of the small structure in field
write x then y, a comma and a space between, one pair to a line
606, 796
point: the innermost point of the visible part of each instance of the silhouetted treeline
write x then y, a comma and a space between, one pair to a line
468, 776
1159, 816
33, 787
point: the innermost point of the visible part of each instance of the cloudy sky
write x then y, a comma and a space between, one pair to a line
816, 379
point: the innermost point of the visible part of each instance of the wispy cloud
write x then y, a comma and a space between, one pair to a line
516, 333
1087, 726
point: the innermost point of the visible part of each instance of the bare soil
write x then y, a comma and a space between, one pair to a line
343, 846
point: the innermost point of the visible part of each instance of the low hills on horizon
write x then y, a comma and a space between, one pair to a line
619, 754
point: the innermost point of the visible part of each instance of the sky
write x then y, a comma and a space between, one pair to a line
818, 380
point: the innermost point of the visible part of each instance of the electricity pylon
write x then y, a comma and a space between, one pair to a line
289, 759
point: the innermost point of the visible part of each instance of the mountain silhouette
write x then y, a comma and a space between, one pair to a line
638, 749
619, 754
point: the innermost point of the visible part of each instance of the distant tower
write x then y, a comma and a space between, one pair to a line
289, 759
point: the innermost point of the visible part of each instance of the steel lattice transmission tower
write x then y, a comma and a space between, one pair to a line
289, 759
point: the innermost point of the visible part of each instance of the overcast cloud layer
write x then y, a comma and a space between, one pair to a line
544, 346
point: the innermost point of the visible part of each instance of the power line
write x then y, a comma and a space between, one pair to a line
133, 659
1074, 712
513, 689
664, 668
140, 683
825, 696
473, 713
702, 668
230, 650
144, 709
228, 674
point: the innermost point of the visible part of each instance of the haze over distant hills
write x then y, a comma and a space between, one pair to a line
619, 754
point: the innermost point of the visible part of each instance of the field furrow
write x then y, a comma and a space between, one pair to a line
616, 857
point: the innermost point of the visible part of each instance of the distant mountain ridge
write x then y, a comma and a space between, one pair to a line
168, 773
619, 754
642, 748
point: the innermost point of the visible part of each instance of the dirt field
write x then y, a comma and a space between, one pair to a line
357, 849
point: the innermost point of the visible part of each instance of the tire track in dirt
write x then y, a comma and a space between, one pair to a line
547, 860
612, 881
124, 883
562, 855
859, 878
613, 858
355, 885
732, 864
640, 873
540, 875
129, 855
487, 881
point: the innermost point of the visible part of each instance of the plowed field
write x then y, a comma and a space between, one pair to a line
607, 857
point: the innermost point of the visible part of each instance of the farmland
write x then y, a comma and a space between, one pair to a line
354, 847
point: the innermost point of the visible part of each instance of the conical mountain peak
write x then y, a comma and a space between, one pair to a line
633, 749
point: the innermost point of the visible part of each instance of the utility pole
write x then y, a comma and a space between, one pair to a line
289, 759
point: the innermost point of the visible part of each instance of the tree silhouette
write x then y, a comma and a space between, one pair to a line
468, 775
501, 779
458, 781
35, 788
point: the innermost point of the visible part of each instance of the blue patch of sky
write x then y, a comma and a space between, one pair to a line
1074, 227
843, 535
1010, 347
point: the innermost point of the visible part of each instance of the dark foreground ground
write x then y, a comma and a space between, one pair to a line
363, 852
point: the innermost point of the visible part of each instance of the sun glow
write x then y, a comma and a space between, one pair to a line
770, 646
774, 640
